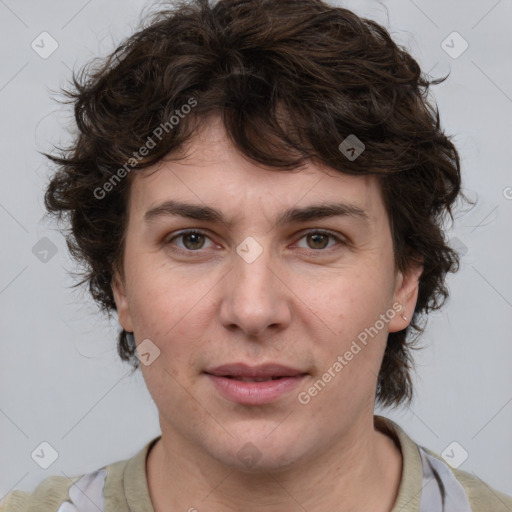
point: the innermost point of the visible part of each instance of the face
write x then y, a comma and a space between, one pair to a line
267, 323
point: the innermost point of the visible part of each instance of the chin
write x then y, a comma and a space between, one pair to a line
258, 453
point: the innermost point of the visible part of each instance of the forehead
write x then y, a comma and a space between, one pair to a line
210, 170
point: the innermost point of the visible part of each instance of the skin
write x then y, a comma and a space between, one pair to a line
301, 303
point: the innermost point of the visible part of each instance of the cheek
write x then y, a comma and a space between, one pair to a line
351, 299
158, 294
172, 311
348, 311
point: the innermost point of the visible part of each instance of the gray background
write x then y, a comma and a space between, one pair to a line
60, 378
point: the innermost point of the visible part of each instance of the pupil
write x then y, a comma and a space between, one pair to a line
195, 244
318, 238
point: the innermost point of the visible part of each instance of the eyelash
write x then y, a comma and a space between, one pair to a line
189, 252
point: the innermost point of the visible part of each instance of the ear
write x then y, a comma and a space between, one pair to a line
406, 295
121, 300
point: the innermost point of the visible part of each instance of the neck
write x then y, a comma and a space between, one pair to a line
359, 472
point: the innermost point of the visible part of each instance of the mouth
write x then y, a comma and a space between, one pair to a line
248, 373
254, 385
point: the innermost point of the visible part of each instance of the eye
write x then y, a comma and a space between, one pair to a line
319, 240
192, 240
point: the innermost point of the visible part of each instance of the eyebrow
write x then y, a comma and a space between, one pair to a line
292, 215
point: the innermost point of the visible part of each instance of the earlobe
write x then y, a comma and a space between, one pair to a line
121, 300
405, 297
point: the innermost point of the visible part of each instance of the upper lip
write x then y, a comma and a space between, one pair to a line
260, 371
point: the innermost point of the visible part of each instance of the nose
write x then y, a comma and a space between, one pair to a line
255, 299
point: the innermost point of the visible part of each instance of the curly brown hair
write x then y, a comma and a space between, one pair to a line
290, 80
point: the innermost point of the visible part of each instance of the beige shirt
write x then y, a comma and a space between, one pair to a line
428, 484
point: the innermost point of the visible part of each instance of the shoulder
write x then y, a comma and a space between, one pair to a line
120, 486
60, 494
482, 497
430, 483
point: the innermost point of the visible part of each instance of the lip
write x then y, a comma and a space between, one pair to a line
254, 393
260, 371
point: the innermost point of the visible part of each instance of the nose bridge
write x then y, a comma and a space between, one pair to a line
254, 296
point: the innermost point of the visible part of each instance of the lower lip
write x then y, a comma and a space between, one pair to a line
255, 393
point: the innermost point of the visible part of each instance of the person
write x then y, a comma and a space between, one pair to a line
258, 190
